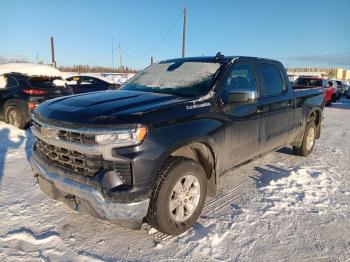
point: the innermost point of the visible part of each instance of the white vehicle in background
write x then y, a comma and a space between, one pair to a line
119, 78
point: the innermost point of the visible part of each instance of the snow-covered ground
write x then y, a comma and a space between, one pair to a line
277, 208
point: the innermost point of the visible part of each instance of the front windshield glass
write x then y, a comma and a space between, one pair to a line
178, 78
308, 82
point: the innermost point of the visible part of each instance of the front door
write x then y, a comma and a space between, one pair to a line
243, 137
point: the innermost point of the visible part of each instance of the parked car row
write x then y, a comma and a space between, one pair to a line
333, 89
23, 86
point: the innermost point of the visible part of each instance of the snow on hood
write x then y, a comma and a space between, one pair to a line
30, 69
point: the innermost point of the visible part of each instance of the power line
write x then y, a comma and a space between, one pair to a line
144, 54
157, 44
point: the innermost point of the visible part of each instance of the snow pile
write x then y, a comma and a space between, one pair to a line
302, 188
30, 69
301, 193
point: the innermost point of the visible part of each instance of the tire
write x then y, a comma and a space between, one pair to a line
308, 142
15, 117
175, 173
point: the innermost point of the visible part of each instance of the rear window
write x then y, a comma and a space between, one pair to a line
45, 82
271, 79
308, 82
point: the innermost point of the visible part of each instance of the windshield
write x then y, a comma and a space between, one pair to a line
178, 78
308, 82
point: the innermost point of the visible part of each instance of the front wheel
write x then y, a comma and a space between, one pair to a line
308, 142
178, 196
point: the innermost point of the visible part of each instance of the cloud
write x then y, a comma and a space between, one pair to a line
336, 59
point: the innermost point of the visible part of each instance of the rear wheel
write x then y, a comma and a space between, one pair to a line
308, 142
15, 117
178, 196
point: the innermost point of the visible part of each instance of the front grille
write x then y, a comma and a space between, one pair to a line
75, 137
72, 160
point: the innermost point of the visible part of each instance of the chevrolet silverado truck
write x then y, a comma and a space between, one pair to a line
153, 150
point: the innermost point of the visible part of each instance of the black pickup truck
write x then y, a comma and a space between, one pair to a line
153, 150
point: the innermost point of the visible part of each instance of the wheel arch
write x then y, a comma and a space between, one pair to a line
204, 154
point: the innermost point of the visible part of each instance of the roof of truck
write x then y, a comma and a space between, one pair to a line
217, 58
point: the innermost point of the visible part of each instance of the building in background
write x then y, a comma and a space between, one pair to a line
331, 73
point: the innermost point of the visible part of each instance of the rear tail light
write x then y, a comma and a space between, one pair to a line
35, 91
32, 106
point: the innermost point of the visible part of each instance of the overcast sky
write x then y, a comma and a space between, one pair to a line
299, 33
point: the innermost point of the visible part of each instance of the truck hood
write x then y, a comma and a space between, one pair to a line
104, 108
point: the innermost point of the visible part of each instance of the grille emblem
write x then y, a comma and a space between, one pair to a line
49, 132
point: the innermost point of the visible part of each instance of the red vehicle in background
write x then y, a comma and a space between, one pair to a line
330, 92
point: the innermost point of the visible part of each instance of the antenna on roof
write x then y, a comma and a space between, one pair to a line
219, 55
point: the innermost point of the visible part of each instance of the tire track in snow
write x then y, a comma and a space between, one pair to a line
221, 202
27, 235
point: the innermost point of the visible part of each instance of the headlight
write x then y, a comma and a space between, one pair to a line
123, 138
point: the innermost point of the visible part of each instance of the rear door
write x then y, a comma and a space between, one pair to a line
243, 137
279, 98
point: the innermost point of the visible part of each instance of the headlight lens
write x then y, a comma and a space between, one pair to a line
123, 138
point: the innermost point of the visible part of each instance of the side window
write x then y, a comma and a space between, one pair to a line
330, 83
11, 82
241, 78
271, 79
325, 83
88, 81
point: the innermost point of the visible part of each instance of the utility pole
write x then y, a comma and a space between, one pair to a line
151, 60
184, 33
121, 58
53, 53
112, 55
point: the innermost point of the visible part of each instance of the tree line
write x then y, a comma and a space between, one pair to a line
96, 69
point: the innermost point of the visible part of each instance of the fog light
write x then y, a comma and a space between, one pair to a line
111, 180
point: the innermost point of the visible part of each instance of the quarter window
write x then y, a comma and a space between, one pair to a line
271, 79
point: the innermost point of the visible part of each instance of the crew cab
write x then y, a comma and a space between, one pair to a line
330, 91
154, 149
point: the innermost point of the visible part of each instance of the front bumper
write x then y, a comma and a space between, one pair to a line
104, 209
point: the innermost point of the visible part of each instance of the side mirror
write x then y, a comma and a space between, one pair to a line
242, 96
